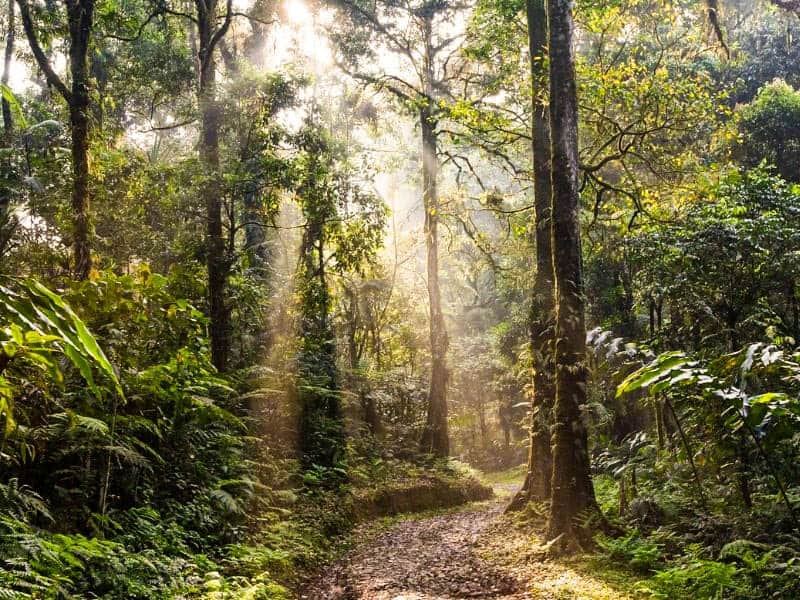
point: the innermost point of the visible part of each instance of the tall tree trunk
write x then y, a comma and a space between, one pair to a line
80, 16
8, 121
572, 492
482, 417
434, 438
80, 24
357, 381
321, 422
209, 37
255, 230
7, 222
537, 481
258, 248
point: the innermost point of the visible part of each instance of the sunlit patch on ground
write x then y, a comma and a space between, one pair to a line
517, 548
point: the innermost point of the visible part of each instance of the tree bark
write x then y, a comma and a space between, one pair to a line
435, 437
321, 421
482, 419
8, 121
80, 24
537, 480
255, 232
209, 36
542, 309
258, 249
572, 491
7, 222
80, 16
322, 432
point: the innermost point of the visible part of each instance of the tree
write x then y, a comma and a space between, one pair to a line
572, 491
80, 16
8, 121
769, 130
726, 268
321, 426
343, 230
537, 481
258, 172
210, 32
725, 265
542, 305
417, 34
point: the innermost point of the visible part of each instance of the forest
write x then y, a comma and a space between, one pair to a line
400, 299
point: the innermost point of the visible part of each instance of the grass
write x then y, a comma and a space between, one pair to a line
609, 575
511, 476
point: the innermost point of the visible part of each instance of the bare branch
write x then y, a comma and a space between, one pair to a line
223, 29
158, 11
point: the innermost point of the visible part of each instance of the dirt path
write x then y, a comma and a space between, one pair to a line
428, 559
476, 553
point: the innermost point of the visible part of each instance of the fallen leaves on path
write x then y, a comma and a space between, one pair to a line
430, 559
478, 553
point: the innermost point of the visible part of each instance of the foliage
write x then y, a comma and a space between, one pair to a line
346, 222
695, 578
727, 265
640, 553
769, 130
39, 324
130, 467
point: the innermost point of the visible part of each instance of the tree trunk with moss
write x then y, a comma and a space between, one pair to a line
8, 121
321, 421
210, 33
321, 428
435, 438
7, 221
80, 19
572, 493
537, 481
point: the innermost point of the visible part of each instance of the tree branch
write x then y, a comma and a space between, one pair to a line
41, 58
158, 11
220, 33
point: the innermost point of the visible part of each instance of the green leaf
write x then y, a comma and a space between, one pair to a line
767, 398
89, 343
659, 368
13, 103
42, 320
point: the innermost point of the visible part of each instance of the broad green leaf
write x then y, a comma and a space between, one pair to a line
43, 320
649, 374
767, 398
13, 103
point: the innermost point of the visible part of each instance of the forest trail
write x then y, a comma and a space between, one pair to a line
474, 553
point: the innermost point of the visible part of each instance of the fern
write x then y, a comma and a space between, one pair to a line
21, 502
639, 553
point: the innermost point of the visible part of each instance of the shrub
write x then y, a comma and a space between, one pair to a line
696, 579
639, 553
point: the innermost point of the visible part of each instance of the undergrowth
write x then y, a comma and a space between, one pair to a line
153, 556
671, 569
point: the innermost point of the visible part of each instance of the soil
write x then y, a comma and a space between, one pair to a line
478, 552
